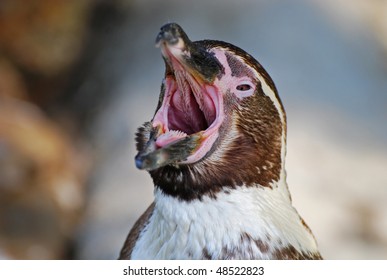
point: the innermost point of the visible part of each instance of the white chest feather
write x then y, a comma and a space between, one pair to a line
246, 223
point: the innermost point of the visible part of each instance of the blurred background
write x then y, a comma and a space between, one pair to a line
77, 77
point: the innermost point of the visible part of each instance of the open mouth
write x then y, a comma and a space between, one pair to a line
190, 106
186, 124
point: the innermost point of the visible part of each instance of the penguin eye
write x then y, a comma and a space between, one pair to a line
243, 87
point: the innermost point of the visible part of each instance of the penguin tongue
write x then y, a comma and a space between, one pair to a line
169, 137
174, 149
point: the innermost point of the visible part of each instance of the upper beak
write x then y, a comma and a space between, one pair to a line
177, 48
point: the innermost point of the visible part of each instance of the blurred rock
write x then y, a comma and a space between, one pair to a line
41, 184
48, 52
43, 37
44, 40
43, 167
11, 82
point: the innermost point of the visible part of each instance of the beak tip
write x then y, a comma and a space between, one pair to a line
170, 33
139, 162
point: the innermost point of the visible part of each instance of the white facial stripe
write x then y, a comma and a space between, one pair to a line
270, 93
220, 54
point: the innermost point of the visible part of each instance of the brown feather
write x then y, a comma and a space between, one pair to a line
134, 233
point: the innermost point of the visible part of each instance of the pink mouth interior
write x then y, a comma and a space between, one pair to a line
189, 112
189, 108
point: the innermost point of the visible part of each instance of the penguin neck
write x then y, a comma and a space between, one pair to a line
239, 223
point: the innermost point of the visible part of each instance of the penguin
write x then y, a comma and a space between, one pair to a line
215, 149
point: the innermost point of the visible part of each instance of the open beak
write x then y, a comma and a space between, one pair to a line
190, 112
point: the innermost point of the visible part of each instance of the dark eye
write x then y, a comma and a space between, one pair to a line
243, 87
